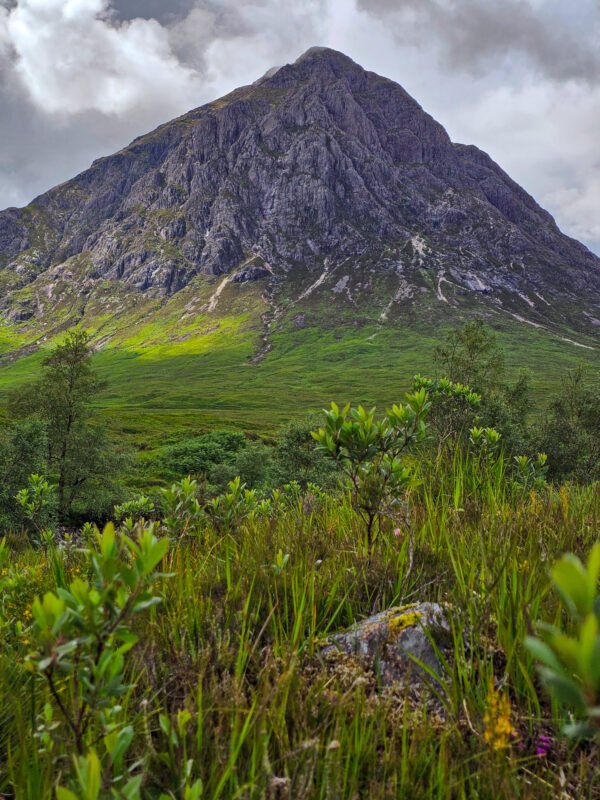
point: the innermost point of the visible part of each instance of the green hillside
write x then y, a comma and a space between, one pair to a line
169, 371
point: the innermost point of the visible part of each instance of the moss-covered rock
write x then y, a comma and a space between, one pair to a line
396, 642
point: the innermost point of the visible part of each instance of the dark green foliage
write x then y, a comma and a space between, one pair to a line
221, 456
507, 408
80, 459
570, 432
199, 455
296, 458
253, 464
23, 452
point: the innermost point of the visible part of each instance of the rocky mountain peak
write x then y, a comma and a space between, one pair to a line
320, 175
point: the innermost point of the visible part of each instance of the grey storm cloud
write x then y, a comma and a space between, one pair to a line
164, 12
554, 38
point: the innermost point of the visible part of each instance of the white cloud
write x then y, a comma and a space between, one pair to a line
545, 136
71, 58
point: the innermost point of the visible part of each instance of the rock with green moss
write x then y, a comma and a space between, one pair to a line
400, 644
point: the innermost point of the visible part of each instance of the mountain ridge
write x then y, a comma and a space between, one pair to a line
318, 171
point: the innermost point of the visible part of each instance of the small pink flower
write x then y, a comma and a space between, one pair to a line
397, 533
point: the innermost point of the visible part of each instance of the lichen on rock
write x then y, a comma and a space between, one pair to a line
400, 644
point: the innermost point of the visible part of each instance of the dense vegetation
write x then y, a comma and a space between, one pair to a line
179, 652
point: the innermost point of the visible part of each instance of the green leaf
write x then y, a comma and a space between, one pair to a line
571, 580
567, 649
155, 555
107, 540
544, 653
588, 641
88, 772
65, 794
579, 730
131, 790
593, 569
129, 640
118, 746
566, 691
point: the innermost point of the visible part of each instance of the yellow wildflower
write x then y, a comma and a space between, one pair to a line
496, 718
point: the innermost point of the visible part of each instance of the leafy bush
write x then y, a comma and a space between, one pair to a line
140, 507
38, 502
81, 634
570, 433
198, 455
297, 458
530, 473
453, 409
368, 451
182, 509
231, 508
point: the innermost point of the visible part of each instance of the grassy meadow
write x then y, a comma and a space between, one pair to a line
228, 694
161, 387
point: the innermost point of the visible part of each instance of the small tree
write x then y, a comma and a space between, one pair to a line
79, 454
370, 451
453, 409
471, 355
570, 433
297, 458
37, 502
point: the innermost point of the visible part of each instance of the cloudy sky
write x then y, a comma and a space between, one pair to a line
518, 78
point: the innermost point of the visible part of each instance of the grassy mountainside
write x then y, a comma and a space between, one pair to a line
309, 236
167, 375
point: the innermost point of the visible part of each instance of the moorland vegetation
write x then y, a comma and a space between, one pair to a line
163, 613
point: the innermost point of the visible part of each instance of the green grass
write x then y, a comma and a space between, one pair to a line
237, 644
171, 367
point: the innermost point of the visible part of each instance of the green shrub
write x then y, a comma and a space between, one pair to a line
198, 455
38, 503
369, 452
570, 432
80, 635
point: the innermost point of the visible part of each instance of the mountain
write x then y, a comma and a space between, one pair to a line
322, 196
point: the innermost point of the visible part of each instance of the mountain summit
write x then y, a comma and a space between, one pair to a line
319, 182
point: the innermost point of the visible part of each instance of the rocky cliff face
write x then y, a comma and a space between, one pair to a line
319, 170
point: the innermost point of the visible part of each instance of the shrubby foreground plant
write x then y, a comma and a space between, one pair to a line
81, 633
